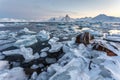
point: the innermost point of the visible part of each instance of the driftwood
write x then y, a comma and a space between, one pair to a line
84, 38
101, 47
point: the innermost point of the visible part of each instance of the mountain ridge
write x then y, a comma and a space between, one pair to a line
98, 18
67, 18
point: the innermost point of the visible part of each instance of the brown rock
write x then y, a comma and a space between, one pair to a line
101, 47
84, 38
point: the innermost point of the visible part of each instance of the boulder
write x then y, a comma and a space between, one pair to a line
103, 47
84, 38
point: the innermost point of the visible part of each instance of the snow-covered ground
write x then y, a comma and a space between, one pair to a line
55, 53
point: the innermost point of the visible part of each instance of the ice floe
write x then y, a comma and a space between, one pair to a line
4, 65
2, 25
43, 35
91, 31
114, 32
26, 31
26, 41
26, 52
13, 74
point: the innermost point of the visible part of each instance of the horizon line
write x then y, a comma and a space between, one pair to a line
43, 19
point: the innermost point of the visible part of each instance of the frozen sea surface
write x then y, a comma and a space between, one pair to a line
47, 51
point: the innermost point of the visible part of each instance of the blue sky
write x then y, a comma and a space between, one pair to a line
43, 9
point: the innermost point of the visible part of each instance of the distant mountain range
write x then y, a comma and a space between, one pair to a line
67, 18
105, 18
98, 18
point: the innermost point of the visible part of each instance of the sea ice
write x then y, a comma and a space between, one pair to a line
26, 52
43, 35
29, 40
3, 65
16, 73
26, 31
2, 25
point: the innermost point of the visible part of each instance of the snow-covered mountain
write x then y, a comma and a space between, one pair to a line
105, 18
100, 18
67, 18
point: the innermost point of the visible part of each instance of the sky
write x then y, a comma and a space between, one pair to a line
44, 9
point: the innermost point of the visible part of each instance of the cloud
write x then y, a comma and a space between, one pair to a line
43, 9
